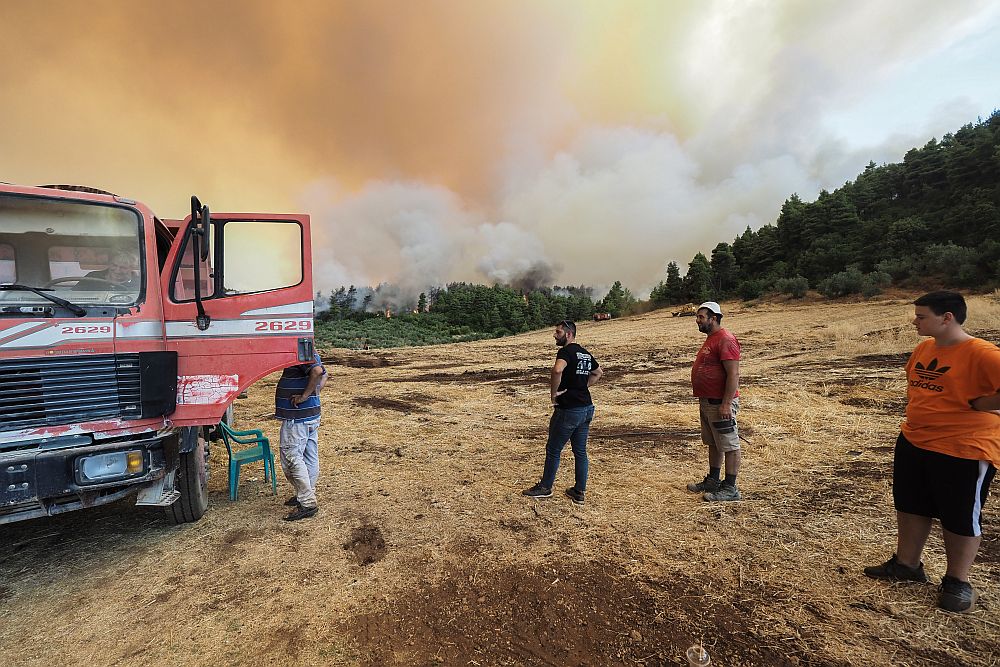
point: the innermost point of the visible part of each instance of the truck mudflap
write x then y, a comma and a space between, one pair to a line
44, 482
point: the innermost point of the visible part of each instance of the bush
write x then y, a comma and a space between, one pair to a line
852, 281
796, 287
844, 283
751, 289
873, 283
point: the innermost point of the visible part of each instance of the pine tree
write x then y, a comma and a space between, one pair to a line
618, 300
724, 268
698, 280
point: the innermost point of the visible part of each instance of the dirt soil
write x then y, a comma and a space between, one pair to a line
425, 553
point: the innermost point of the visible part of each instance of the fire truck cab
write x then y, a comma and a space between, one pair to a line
123, 336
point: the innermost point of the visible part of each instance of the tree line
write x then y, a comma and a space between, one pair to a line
930, 220
458, 311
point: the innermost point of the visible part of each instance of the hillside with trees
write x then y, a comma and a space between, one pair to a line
930, 220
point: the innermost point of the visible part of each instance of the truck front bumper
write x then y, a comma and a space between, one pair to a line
45, 481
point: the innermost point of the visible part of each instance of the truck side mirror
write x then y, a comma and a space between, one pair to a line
201, 220
204, 229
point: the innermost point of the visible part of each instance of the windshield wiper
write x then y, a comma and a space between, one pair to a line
71, 307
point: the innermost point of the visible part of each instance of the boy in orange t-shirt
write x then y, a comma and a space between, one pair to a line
948, 450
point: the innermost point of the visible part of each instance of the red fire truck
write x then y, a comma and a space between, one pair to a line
124, 336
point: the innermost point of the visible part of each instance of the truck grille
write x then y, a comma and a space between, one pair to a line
64, 390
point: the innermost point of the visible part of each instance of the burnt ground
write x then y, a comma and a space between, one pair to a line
565, 613
532, 376
356, 359
407, 403
367, 545
425, 553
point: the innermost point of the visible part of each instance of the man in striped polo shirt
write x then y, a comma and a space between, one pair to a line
296, 404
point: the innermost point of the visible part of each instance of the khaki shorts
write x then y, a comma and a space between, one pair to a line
723, 435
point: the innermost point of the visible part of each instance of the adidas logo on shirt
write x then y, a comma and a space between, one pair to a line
929, 373
932, 372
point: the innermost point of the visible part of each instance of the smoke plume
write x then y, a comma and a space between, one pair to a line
523, 141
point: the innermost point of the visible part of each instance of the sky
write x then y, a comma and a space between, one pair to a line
513, 141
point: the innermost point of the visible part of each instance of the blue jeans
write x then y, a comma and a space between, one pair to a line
571, 424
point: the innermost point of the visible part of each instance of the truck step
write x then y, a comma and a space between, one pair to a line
164, 501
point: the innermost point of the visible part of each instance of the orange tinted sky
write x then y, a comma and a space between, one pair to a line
441, 140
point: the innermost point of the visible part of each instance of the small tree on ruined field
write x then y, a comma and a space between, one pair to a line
618, 300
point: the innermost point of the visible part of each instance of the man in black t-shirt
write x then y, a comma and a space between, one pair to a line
574, 372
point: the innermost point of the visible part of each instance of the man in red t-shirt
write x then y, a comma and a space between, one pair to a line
715, 379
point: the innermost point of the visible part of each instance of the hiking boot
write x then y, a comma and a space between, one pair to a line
301, 512
958, 596
576, 496
725, 492
537, 491
292, 502
708, 484
893, 570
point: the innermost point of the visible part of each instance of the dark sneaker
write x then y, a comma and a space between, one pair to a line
537, 491
576, 496
958, 596
301, 512
725, 492
893, 570
708, 484
292, 502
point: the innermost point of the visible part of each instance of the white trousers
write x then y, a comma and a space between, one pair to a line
299, 453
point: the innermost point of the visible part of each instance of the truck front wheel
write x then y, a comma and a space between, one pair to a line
192, 482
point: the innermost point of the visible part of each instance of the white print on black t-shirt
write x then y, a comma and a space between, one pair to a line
582, 363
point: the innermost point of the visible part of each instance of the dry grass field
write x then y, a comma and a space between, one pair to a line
425, 553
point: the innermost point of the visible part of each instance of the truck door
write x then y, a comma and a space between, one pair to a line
237, 304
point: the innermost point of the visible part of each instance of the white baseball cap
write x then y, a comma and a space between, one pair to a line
712, 306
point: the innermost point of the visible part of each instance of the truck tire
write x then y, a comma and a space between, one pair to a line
192, 482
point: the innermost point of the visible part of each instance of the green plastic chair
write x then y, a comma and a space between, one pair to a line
261, 451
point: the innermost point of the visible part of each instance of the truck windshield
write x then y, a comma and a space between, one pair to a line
86, 252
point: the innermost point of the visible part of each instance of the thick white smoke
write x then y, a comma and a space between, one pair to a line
714, 145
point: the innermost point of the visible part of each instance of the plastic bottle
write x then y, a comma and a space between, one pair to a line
698, 657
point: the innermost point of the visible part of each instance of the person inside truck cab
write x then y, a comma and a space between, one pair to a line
122, 271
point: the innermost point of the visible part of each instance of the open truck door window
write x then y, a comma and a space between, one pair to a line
260, 256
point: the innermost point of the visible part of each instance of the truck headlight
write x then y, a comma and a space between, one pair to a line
109, 466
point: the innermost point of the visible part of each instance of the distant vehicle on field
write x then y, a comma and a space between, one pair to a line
687, 310
601, 316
